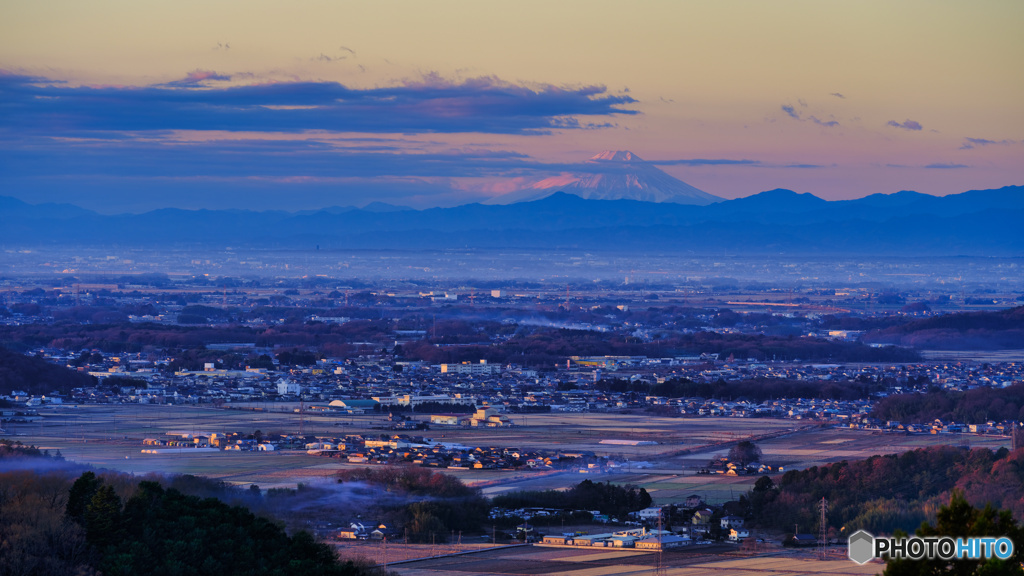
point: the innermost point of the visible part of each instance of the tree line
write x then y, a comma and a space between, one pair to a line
54, 524
605, 497
975, 406
757, 390
882, 494
37, 376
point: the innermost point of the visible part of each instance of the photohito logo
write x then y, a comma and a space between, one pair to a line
863, 547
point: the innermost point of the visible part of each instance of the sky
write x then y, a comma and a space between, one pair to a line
127, 106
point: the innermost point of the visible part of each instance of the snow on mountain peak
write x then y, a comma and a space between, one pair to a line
612, 175
617, 156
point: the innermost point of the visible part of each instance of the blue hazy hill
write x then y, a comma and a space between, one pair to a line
978, 222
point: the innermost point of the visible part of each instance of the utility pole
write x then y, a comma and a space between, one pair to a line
823, 531
661, 546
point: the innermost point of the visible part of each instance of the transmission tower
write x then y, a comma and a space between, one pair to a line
823, 531
661, 547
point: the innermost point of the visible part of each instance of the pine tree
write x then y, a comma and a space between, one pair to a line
103, 517
81, 493
960, 520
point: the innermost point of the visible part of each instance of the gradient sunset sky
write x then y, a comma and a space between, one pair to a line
133, 105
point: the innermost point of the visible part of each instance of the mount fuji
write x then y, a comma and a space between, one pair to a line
613, 175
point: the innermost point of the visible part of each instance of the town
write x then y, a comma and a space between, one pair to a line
511, 391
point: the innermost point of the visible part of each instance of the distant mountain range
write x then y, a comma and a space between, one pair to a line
616, 175
979, 223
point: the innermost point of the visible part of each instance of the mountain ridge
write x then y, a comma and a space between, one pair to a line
982, 222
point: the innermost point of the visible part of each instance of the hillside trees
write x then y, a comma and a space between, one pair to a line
959, 519
164, 532
37, 376
429, 504
605, 497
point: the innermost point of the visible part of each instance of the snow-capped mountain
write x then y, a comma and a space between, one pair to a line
613, 175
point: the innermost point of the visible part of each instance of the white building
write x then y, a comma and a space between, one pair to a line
471, 368
287, 387
651, 513
738, 535
414, 400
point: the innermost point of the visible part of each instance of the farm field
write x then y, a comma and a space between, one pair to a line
110, 436
604, 562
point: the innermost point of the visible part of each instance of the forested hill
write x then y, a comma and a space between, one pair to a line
110, 523
37, 376
1000, 330
885, 493
971, 407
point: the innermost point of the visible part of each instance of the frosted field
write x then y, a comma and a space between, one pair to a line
603, 562
111, 436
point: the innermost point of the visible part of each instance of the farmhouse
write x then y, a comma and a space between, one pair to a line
489, 417
448, 419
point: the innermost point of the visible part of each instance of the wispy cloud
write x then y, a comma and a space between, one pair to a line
705, 162
255, 158
906, 124
946, 166
791, 111
308, 157
795, 114
970, 143
427, 104
803, 166
197, 78
837, 95
325, 58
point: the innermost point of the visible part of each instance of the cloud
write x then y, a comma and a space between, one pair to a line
828, 123
705, 162
197, 78
970, 143
325, 58
837, 95
793, 113
424, 105
255, 159
906, 124
316, 157
932, 166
